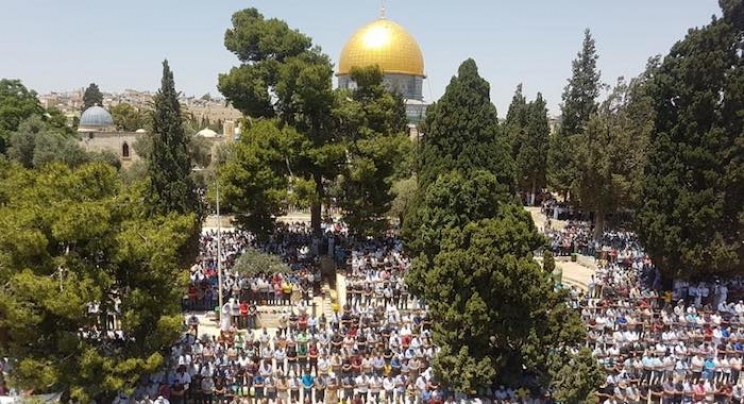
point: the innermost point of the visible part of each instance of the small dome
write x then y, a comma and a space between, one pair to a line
140, 131
96, 117
206, 132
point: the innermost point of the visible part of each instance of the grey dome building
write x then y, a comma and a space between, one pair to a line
96, 119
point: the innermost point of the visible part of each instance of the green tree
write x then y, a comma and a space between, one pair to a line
692, 214
607, 175
499, 317
253, 262
38, 142
516, 121
58, 121
71, 237
283, 76
579, 103
128, 118
454, 201
373, 121
17, 103
23, 140
255, 177
404, 193
576, 380
92, 96
200, 150
171, 186
531, 158
463, 132
53, 147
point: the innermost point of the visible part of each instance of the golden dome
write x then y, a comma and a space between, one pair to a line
384, 43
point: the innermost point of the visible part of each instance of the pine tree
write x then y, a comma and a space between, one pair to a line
579, 103
92, 96
72, 237
692, 215
172, 189
281, 75
373, 120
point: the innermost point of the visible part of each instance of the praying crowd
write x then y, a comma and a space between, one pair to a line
684, 345
272, 289
669, 344
376, 348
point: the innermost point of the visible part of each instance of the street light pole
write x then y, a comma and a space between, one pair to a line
219, 249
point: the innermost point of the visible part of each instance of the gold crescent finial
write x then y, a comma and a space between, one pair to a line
382, 8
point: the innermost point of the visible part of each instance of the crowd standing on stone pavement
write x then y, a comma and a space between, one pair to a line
377, 348
662, 343
681, 346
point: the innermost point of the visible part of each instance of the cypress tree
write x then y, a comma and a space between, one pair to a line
463, 131
516, 121
499, 317
579, 103
171, 187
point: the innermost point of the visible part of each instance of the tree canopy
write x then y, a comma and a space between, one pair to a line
255, 176
499, 317
17, 103
373, 122
610, 153
40, 141
128, 118
529, 135
253, 262
71, 237
692, 214
283, 76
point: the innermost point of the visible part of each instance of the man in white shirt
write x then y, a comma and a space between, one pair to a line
388, 386
739, 308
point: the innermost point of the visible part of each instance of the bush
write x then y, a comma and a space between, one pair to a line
253, 262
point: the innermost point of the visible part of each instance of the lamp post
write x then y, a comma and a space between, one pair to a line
219, 247
219, 244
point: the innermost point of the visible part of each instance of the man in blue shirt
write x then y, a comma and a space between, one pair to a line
307, 384
258, 386
709, 368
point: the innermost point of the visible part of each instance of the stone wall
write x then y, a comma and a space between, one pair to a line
119, 143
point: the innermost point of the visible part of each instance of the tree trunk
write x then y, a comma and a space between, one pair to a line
532, 194
599, 223
316, 210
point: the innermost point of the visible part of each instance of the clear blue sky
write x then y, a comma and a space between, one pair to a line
55, 45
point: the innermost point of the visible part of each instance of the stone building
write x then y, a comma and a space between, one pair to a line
98, 133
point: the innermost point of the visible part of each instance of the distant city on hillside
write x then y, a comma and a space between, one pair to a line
212, 108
